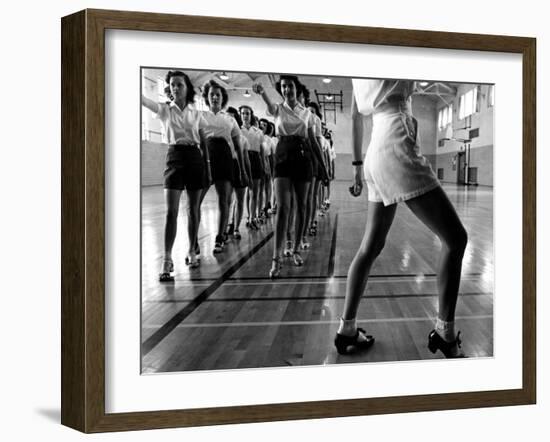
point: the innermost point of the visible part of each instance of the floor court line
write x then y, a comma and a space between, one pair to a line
315, 298
327, 322
165, 329
381, 279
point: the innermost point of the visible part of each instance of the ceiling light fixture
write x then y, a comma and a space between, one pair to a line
327, 80
246, 94
224, 76
424, 83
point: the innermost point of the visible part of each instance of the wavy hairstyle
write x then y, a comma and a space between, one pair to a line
213, 84
190, 97
292, 78
316, 107
235, 113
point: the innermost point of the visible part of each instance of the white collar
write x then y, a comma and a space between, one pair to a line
173, 104
298, 106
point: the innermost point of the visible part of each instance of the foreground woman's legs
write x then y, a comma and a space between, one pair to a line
379, 220
436, 211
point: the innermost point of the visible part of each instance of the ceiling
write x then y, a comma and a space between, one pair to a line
436, 91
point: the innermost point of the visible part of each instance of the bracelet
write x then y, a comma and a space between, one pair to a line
357, 163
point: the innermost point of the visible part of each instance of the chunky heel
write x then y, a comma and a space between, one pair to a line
347, 345
275, 270
450, 350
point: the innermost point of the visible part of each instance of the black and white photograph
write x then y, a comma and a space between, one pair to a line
297, 220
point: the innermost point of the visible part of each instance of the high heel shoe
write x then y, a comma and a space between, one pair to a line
346, 345
449, 349
288, 249
166, 270
275, 270
218, 244
297, 258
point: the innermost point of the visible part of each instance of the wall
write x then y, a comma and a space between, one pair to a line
30, 253
481, 147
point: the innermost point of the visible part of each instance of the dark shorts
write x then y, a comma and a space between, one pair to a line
237, 182
271, 164
221, 159
255, 165
184, 168
293, 159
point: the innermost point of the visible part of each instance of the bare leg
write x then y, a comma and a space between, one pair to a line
172, 202
291, 214
254, 191
268, 189
239, 207
436, 211
193, 213
301, 193
282, 193
379, 220
224, 190
310, 205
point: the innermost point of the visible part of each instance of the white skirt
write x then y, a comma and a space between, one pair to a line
394, 168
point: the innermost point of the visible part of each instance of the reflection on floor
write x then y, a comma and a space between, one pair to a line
228, 314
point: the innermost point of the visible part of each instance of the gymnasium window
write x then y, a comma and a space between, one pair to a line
469, 103
445, 117
160, 91
491, 96
200, 104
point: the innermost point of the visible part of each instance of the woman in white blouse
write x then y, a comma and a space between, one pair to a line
396, 171
223, 140
297, 143
187, 166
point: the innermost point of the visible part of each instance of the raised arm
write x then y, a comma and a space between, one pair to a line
152, 105
259, 89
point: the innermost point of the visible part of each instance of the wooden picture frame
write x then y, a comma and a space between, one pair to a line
83, 220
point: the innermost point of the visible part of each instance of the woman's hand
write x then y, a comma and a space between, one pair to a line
258, 88
357, 186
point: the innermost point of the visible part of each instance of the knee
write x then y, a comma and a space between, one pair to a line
459, 241
171, 214
371, 249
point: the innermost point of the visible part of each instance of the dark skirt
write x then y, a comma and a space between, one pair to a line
293, 159
185, 168
255, 165
221, 159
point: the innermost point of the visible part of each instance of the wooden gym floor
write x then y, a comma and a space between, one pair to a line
228, 314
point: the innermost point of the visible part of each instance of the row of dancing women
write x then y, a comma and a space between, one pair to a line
210, 147
269, 167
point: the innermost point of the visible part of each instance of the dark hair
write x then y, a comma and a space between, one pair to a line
236, 115
190, 89
212, 84
245, 106
263, 120
316, 107
292, 78
271, 129
304, 91
254, 120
